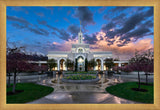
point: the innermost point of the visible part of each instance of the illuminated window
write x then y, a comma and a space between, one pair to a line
80, 50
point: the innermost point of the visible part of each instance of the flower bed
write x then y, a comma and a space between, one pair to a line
82, 72
80, 77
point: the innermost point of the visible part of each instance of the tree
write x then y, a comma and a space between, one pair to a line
86, 64
109, 63
69, 64
17, 62
126, 68
136, 64
92, 63
148, 63
51, 64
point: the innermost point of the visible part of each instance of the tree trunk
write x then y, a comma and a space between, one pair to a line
139, 80
8, 85
146, 78
14, 83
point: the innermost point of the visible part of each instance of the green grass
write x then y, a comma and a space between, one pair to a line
31, 92
124, 90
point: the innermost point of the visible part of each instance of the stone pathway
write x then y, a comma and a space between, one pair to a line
65, 93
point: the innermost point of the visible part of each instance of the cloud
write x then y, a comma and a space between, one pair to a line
66, 20
131, 23
38, 31
135, 26
108, 26
125, 51
119, 20
73, 29
40, 14
84, 15
21, 23
137, 33
18, 26
101, 10
20, 20
18, 9
42, 22
50, 8
119, 9
65, 46
102, 44
61, 33
149, 12
90, 39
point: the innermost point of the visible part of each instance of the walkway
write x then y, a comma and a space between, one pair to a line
79, 93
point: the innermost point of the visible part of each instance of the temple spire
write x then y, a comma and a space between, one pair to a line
80, 26
80, 36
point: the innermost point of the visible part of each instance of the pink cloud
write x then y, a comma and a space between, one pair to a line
124, 52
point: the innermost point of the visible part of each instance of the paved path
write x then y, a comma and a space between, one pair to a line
79, 93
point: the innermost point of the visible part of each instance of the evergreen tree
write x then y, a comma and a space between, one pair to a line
51, 64
76, 65
86, 64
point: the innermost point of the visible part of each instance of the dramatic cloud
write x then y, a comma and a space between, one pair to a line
90, 39
63, 34
119, 9
117, 29
17, 19
101, 44
84, 15
124, 52
136, 26
22, 23
108, 26
73, 29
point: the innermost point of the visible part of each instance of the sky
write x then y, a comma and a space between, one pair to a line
121, 30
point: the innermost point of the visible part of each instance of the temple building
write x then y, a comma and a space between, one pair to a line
79, 51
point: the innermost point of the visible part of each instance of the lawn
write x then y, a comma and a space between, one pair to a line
31, 92
124, 90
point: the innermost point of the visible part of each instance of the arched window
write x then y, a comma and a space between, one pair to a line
80, 50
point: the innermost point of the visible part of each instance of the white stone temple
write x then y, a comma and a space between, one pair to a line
79, 51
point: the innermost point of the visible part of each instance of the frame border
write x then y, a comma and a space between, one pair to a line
5, 3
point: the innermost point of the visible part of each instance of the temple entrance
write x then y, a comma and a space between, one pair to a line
98, 64
81, 63
62, 65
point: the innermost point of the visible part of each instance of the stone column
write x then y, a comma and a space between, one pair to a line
39, 64
119, 64
58, 65
101, 65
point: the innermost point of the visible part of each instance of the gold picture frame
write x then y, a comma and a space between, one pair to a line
5, 3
